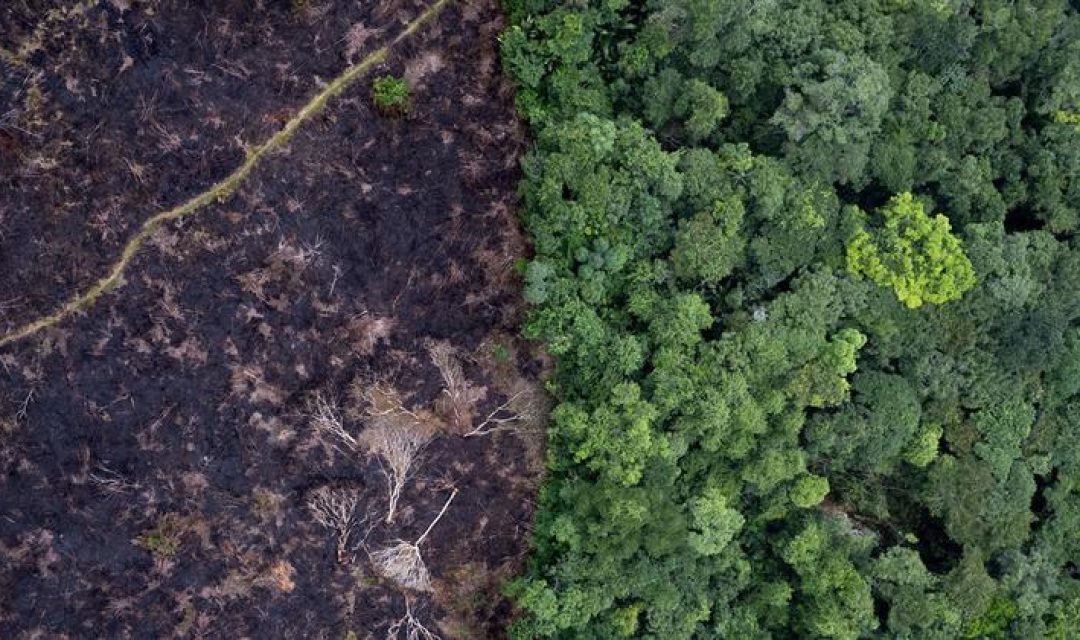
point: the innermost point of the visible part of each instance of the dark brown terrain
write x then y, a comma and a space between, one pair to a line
162, 453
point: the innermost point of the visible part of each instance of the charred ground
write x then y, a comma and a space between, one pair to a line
158, 455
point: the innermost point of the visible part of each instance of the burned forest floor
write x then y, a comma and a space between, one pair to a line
304, 412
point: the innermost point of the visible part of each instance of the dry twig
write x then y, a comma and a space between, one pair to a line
20, 416
112, 482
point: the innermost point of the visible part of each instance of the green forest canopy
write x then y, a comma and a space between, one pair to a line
810, 272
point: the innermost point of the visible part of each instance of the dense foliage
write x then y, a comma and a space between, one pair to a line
810, 272
391, 95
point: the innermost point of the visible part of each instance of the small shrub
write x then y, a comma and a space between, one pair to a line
391, 95
164, 539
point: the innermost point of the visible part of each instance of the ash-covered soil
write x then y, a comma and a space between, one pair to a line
162, 454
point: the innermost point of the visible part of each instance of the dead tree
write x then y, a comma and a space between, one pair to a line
326, 419
335, 509
409, 627
396, 440
522, 407
394, 435
402, 562
458, 396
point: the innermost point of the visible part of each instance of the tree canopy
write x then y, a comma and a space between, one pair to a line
809, 273
912, 253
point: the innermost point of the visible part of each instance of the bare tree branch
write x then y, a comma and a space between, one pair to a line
394, 435
380, 399
112, 482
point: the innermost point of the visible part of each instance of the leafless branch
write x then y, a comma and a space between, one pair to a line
111, 481
337, 276
20, 416
380, 399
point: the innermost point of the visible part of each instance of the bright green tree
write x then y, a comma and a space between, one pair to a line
914, 254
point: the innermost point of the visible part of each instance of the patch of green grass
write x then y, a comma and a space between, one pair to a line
164, 539
391, 95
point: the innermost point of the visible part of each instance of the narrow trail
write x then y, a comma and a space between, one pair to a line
222, 189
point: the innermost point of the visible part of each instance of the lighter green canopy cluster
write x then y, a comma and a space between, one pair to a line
914, 254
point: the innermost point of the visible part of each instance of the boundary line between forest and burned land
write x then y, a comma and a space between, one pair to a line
222, 189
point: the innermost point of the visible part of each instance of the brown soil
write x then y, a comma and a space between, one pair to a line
157, 452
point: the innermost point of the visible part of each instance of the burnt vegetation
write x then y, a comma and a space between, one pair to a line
244, 434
